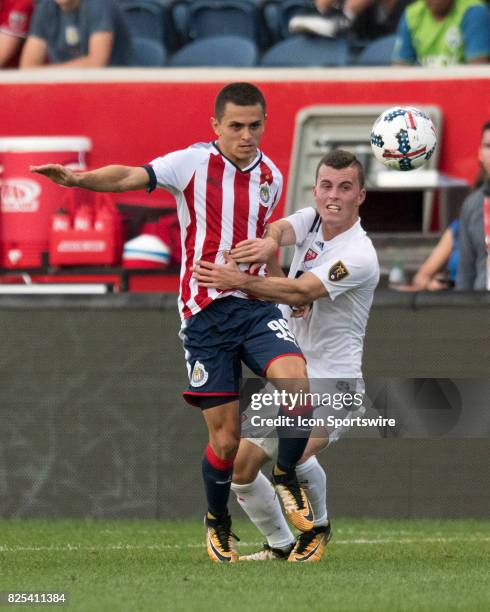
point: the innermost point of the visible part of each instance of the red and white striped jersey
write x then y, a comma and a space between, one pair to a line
218, 205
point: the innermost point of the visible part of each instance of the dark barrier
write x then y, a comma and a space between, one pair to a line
92, 422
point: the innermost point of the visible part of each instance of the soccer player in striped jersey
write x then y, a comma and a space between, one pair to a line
225, 191
335, 269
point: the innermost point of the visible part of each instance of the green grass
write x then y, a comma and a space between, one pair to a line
148, 565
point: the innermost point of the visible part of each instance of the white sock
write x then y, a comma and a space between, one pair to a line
261, 504
313, 479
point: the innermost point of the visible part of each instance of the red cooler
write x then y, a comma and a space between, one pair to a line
28, 200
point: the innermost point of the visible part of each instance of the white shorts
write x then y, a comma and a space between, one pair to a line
268, 445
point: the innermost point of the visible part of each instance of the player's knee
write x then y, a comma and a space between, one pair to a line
297, 400
291, 368
225, 445
298, 387
301, 369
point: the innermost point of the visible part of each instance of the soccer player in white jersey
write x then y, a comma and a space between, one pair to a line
225, 192
335, 269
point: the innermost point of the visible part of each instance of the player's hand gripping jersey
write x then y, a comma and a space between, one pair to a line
218, 205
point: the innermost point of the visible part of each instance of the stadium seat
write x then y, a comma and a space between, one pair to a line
147, 52
378, 52
307, 51
145, 18
206, 18
278, 13
217, 51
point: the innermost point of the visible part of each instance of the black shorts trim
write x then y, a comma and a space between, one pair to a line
208, 400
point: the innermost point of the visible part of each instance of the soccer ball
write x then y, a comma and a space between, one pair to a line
403, 138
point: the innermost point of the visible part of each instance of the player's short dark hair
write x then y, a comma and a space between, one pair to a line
340, 159
241, 94
486, 126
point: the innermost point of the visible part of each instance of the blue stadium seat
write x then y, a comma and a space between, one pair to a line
145, 18
304, 50
205, 18
217, 51
277, 14
378, 52
147, 52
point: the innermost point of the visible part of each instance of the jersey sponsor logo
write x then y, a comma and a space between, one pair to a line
310, 254
265, 193
199, 375
320, 244
337, 272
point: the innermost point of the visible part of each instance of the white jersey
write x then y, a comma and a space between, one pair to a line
218, 205
333, 334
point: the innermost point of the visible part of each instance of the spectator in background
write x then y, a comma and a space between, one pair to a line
431, 275
474, 261
367, 19
15, 16
77, 34
443, 33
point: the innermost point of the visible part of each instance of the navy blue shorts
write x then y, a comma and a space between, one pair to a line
227, 332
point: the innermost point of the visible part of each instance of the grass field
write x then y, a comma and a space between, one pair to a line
148, 565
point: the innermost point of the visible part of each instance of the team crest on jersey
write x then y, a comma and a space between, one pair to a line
310, 254
199, 375
265, 193
337, 272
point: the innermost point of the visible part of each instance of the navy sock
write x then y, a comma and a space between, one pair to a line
292, 439
290, 452
217, 474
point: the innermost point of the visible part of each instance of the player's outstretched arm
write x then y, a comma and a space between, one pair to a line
109, 178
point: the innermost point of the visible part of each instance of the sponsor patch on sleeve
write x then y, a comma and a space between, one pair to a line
338, 271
